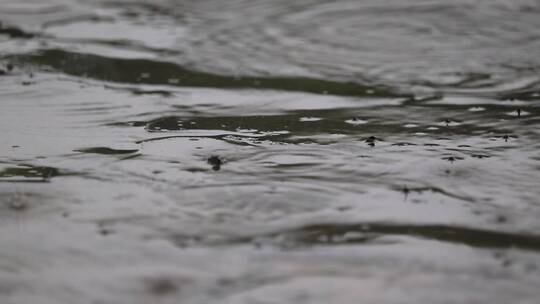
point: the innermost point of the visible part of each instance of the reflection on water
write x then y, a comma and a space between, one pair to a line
269, 151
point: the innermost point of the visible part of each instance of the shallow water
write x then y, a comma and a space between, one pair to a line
269, 151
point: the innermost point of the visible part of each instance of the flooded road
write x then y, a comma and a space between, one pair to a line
276, 151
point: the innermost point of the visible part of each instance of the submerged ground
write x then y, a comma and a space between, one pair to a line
252, 151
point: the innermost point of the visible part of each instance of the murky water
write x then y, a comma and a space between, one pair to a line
255, 151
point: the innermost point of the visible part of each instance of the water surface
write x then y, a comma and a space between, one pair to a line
269, 151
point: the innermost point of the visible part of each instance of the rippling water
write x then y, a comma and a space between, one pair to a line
269, 151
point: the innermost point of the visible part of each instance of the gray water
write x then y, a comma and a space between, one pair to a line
269, 151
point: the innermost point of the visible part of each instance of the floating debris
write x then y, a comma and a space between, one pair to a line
215, 162
371, 140
506, 137
519, 112
453, 158
449, 123
406, 192
480, 156
356, 121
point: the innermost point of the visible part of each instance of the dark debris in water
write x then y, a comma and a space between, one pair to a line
215, 161
7, 68
505, 137
104, 230
480, 156
371, 140
453, 158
